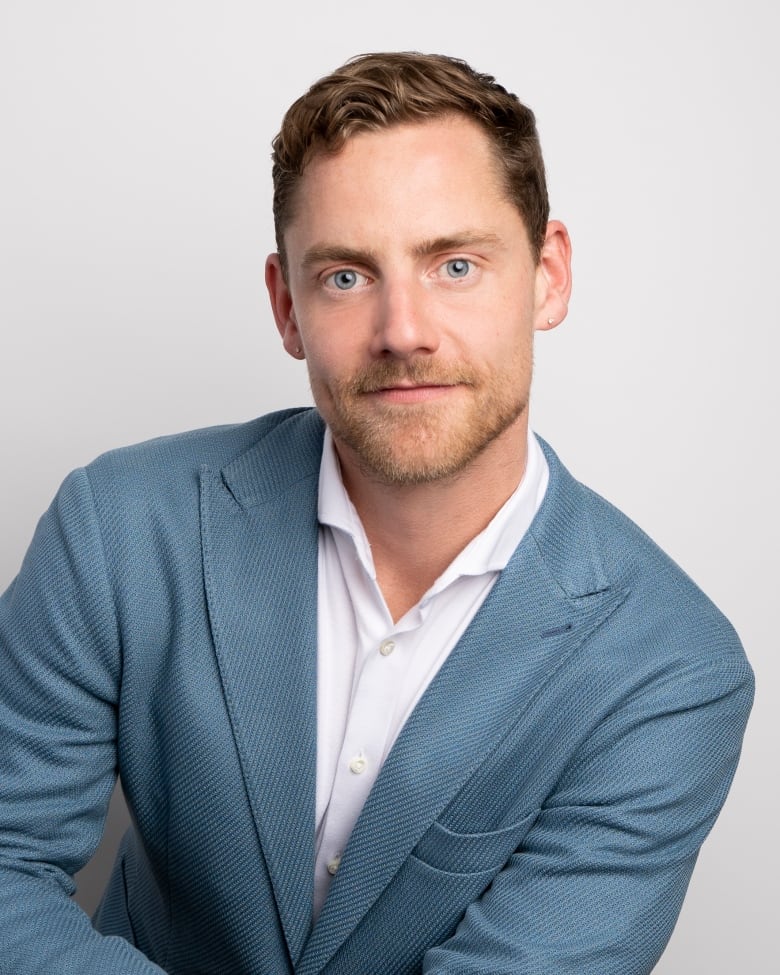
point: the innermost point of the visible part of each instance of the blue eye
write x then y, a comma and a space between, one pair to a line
458, 268
344, 280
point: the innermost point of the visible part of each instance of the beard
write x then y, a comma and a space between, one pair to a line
418, 443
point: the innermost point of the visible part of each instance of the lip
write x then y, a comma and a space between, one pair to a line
404, 393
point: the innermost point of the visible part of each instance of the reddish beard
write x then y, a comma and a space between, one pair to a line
419, 442
386, 373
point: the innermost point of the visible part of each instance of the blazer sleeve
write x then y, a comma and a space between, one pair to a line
60, 670
599, 881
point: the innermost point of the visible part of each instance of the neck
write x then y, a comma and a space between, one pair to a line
416, 530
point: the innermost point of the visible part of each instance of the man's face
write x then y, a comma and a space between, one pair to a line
413, 294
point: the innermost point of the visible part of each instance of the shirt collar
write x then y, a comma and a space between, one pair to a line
489, 551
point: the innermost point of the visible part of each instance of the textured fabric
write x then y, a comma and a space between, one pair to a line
540, 811
365, 695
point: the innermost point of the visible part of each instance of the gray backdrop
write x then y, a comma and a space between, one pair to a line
135, 218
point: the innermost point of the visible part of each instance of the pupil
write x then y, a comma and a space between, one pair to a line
345, 279
457, 268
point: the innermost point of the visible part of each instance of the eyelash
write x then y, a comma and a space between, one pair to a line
330, 279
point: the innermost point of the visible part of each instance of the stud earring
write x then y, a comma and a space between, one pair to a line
550, 321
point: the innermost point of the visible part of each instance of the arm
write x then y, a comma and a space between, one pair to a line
60, 667
599, 881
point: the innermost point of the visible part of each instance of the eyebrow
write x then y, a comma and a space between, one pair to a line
464, 241
336, 254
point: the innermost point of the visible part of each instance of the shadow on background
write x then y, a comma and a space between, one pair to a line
93, 878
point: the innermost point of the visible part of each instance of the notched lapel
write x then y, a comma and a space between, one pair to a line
259, 532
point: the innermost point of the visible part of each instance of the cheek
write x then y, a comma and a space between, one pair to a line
336, 344
506, 340
327, 361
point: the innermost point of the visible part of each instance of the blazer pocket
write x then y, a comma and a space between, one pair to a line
464, 853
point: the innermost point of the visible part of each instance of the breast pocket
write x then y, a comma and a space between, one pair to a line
467, 853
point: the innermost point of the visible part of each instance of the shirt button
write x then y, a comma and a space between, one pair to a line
386, 647
333, 865
358, 764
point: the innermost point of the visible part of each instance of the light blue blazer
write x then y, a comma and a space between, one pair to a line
540, 812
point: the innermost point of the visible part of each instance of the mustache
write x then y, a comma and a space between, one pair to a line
415, 372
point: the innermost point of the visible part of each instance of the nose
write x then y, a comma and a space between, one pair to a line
405, 325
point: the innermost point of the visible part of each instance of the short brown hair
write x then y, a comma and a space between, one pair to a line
375, 91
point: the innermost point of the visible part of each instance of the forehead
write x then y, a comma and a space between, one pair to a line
426, 178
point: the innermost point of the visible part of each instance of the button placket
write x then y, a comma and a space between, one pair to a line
380, 676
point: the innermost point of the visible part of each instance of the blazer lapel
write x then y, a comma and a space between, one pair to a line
259, 530
549, 599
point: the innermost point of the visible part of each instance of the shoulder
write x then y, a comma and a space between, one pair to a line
146, 496
662, 649
665, 615
214, 447
170, 464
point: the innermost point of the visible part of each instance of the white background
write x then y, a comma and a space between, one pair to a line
135, 202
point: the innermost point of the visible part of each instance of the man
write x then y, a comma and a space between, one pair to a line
389, 693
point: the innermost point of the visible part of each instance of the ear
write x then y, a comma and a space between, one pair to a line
282, 307
553, 278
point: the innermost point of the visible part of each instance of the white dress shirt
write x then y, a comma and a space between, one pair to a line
371, 671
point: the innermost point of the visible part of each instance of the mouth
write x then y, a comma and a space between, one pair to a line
414, 392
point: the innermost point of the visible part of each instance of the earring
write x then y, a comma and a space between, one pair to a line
550, 321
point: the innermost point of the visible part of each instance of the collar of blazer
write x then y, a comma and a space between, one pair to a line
259, 530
